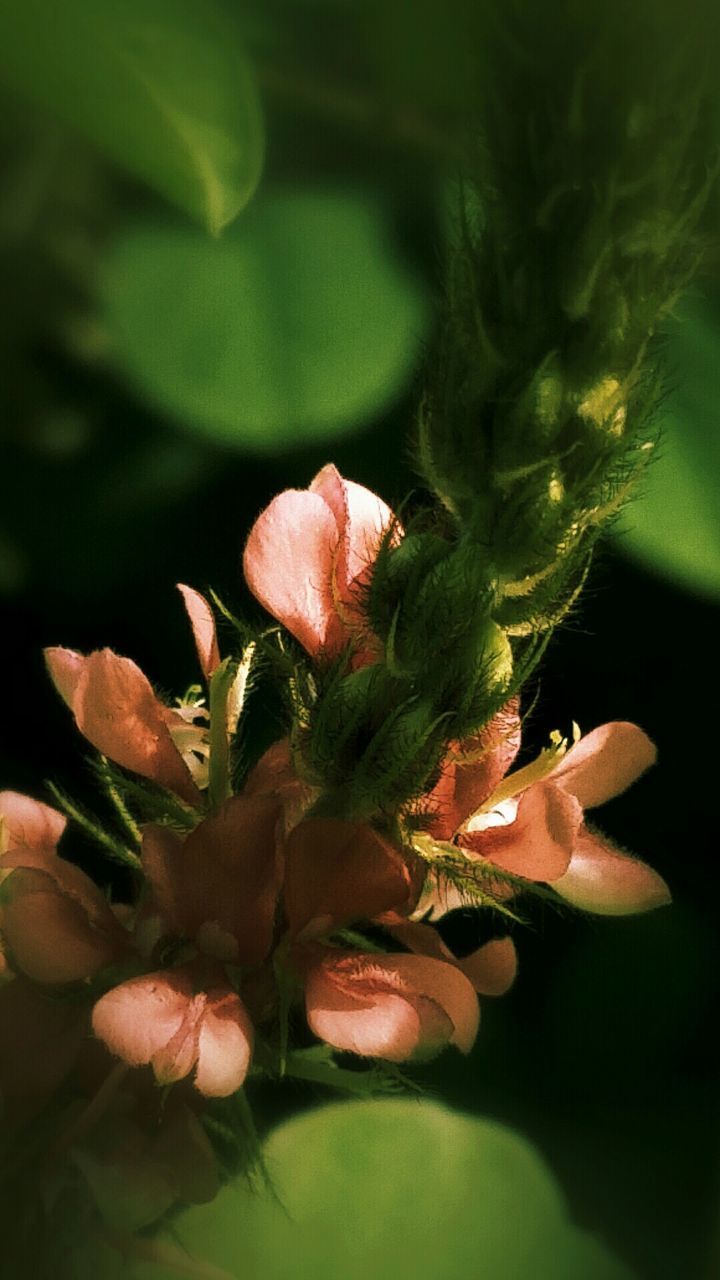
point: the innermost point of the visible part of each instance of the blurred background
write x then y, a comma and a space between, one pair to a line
161, 381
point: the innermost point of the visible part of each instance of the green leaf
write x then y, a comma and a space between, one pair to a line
299, 324
162, 86
377, 1190
673, 526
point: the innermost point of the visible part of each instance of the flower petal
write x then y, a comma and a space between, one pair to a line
491, 969
176, 1059
137, 1019
337, 872
602, 879
362, 518
226, 873
57, 927
539, 843
605, 762
390, 1006
274, 774
28, 823
483, 760
117, 711
202, 622
288, 566
225, 1045
65, 667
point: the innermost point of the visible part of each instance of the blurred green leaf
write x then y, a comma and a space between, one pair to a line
299, 324
673, 525
162, 86
385, 1189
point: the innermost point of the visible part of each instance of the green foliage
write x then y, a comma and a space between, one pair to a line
389, 1188
575, 230
673, 526
163, 87
295, 327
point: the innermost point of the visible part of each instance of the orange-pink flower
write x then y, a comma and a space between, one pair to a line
161, 1019
117, 710
389, 1006
307, 555
531, 823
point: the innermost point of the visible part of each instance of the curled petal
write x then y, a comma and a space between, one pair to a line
538, 844
602, 879
337, 872
361, 518
605, 762
56, 924
29, 824
491, 969
392, 1007
117, 711
225, 1045
288, 566
203, 629
226, 874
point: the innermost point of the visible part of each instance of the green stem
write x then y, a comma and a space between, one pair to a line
114, 848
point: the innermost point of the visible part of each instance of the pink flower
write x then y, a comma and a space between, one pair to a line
55, 923
116, 709
532, 825
118, 712
389, 1006
160, 1019
307, 556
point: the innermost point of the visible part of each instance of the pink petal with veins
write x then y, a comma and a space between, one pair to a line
204, 632
605, 762
391, 1007
602, 879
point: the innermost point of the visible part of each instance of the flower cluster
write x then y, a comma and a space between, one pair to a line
255, 914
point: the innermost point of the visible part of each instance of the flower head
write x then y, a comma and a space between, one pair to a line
531, 823
164, 1020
